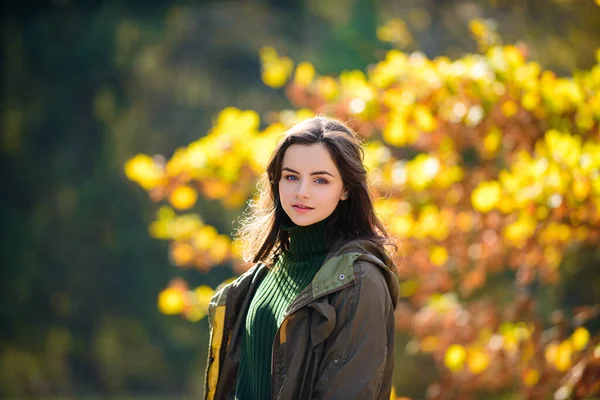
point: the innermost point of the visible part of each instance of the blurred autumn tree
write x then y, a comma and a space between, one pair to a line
88, 84
487, 168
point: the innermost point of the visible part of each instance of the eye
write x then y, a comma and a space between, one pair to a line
290, 178
321, 181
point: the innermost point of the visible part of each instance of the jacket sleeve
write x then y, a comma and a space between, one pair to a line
359, 360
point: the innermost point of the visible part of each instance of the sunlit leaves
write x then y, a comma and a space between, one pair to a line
561, 356
455, 357
520, 230
177, 298
143, 170
484, 32
183, 197
305, 73
483, 166
580, 338
531, 377
486, 196
171, 301
276, 70
491, 143
396, 32
438, 255
193, 243
477, 360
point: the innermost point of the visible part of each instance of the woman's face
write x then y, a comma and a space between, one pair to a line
311, 185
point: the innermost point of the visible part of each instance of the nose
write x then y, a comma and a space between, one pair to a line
302, 195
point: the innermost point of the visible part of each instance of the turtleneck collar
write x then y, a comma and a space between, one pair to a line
306, 242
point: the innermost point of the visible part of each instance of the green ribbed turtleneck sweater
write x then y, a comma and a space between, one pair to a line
292, 273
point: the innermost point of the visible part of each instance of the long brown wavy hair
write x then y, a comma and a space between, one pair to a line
260, 231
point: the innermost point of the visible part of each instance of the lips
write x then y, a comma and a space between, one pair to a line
300, 205
302, 208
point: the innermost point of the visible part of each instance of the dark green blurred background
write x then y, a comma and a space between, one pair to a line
88, 84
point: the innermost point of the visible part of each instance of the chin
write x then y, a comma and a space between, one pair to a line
304, 223
307, 221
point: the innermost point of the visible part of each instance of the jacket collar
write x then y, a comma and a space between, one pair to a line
336, 272
338, 268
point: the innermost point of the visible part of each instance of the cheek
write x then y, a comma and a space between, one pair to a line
332, 197
284, 188
286, 193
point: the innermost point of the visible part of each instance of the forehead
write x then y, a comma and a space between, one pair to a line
308, 158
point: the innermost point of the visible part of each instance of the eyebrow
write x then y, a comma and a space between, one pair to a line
312, 173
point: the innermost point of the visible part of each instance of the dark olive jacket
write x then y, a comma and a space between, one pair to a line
337, 337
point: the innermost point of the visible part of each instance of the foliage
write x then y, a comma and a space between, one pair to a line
485, 166
88, 84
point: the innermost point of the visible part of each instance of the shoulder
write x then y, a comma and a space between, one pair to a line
369, 272
371, 279
376, 278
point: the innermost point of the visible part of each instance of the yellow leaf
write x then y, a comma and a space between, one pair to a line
184, 227
395, 31
438, 255
581, 188
203, 295
204, 237
143, 170
455, 357
520, 230
551, 353
182, 253
486, 196
513, 56
275, 73
171, 301
580, 338
327, 87
159, 229
403, 225
165, 213
530, 100
395, 131
509, 108
183, 197
219, 248
305, 73
477, 27
491, 142
478, 361
425, 121
563, 356
531, 377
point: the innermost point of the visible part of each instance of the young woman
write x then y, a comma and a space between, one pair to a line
314, 317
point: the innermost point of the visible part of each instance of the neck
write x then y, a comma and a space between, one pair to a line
306, 242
